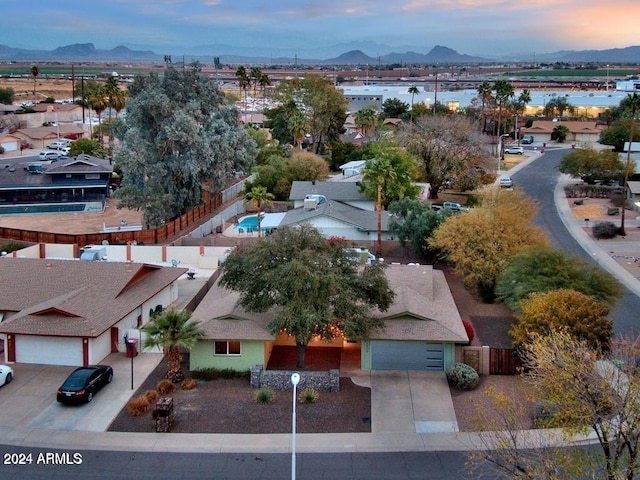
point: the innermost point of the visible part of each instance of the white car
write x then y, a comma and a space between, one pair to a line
6, 374
506, 182
514, 150
48, 155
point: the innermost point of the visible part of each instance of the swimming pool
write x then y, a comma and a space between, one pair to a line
249, 224
27, 209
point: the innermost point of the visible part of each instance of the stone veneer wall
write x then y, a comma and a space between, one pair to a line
281, 379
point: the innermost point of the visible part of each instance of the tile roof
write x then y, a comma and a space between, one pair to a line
423, 309
72, 297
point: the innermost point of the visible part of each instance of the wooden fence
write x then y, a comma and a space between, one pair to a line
156, 236
503, 362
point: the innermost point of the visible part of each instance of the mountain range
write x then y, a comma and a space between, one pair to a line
437, 55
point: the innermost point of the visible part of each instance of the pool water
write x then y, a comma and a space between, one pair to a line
50, 208
248, 224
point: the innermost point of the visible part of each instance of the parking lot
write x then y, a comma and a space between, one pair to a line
29, 401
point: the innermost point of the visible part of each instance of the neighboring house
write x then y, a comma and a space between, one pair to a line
633, 195
40, 137
73, 312
78, 179
579, 132
355, 137
10, 143
353, 168
336, 209
347, 193
421, 328
391, 123
61, 113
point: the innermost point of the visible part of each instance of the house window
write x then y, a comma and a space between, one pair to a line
226, 348
92, 176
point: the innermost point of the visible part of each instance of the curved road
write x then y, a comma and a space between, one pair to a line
538, 180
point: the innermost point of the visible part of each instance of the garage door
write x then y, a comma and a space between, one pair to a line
48, 350
399, 355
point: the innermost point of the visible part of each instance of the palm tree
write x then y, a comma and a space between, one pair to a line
243, 81
504, 91
113, 98
98, 102
633, 102
171, 330
35, 71
264, 81
366, 118
484, 90
413, 91
258, 197
379, 171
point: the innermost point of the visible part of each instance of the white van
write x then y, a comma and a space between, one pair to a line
48, 155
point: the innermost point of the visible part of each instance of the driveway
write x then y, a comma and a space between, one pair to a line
29, 401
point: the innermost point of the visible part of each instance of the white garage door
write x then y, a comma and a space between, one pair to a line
48, 350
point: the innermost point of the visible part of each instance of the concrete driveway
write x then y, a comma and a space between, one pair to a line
29, 401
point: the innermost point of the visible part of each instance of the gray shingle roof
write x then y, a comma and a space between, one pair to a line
342, 192
74, 298
364, 220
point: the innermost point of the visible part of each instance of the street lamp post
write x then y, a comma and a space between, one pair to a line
295, 379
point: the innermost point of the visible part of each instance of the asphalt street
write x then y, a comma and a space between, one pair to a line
538, 180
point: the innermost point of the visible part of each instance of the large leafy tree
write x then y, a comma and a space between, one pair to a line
633, 102
479, 242
618, 133
413, 221
543, 268
591, 165
448, 148
557, 106
393, 108
310, 284
578, 314
323, 104
172, 330
181, 138
7, 95
592, 392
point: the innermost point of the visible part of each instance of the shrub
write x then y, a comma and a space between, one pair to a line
471, 333
11, 247
138, 406
151, 395
543, 412
604, 230
207, 374
189, 384
165, 387
264, 395
463, 377
308, 396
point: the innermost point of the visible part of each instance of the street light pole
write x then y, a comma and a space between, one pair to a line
295, 379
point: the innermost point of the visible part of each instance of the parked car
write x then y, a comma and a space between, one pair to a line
48, 155
506, 182
84, 383
456, 207
59, 144
514, 150
527, 139
6, 374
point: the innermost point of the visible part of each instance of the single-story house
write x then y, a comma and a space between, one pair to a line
352, 168
40, 137
76, 312
10, 143
579, 131
78, 179
61, 113
421, 328
347, 193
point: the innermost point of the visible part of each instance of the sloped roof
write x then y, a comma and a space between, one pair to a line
51, 132
82, 163
547, 126
342, 192
364, 220
423, 309
74, 298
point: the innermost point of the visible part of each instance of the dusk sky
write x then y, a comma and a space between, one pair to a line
325, 27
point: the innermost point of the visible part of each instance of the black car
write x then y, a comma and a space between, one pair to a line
84, 383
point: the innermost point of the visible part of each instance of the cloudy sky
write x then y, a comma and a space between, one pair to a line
326, 27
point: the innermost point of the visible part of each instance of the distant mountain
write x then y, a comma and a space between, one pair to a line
235, 55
